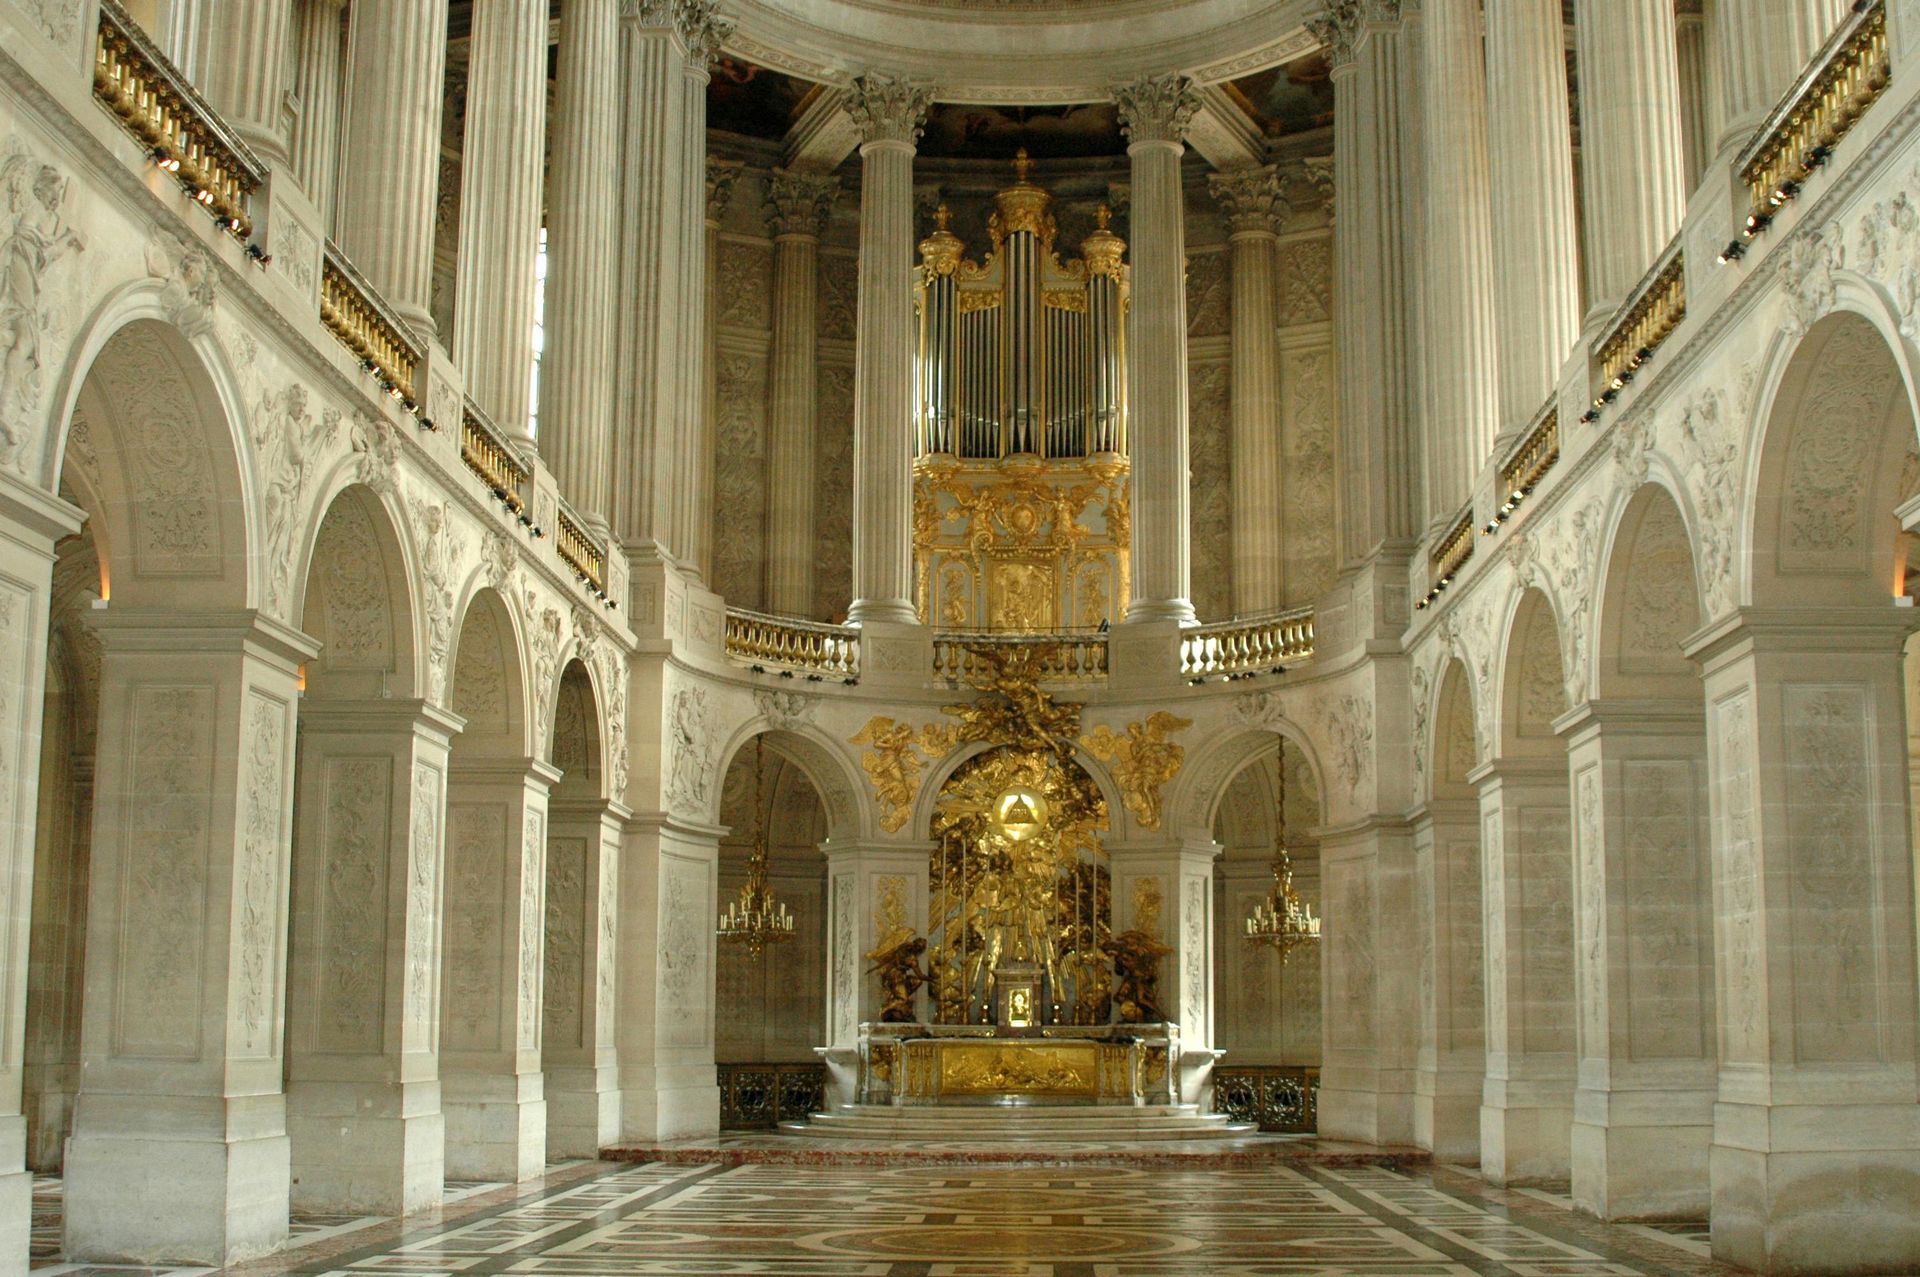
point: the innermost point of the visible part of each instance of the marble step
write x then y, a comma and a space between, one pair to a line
1040, 1122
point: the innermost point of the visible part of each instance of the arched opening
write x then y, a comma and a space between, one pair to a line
1266, 1009
1527, 884
772, 999
1643, 885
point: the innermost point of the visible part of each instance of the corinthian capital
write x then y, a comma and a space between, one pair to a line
1250, 197
1337, 29
799, 203
886, 109
1157, 108
697, 22
721, 175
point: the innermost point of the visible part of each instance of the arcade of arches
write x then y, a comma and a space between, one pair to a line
574, 574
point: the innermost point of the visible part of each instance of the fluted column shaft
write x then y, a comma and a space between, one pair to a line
1630, 165
1763, 45
396, 69
799, 206
1462, 396
1530, 162
692, 543
577, 375
888, 113
235, 52
720, 177
502, 165
1377, 492
319, 38
1699, 100
1155, 113
1251, 198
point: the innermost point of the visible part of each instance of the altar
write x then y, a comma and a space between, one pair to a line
1109, 1064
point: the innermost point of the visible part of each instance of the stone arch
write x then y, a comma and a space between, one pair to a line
357, 601
1204, 781
153, 446
1455, 748
835, 776
1833, 439
1533, 691
942, 770
1650, 602
489, 683
576, 745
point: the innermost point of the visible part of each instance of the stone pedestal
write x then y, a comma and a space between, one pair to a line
1527, 888
578, 1047
1451, 1064
871, 888
1166, 890
1643, 1108
1816, 1137
179, 1150
363, 1074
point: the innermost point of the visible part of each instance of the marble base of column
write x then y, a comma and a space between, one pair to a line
496, 1125
1640, 1141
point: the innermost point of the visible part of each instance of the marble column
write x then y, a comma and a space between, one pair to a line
31, 521
491, 1084
502, 166
1699, 102
1154, 114
1452, 1055
578, 1045
799, 207
1378, 494
888, 114
665, 51
363, 1017
236, 55
577, 371
721, 175
179, 1150
1254, 205
319, 39
1536, 275
390, 151
1643, 964
1816, 1136
1165, 888
1461, 400
1763, 45
1527, 891
1631, 167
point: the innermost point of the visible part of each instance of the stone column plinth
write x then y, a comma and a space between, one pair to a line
888, 113
492, 1088
1536, 279
1815, 1119
396, 78
502, 167
577, 373
1254, 206
179, 1150
1451, 1064
1166, 890
799, 206
1643, 915
1631, 166
578, 1047
319, 38
1154, 114
363, 1065
1527, 892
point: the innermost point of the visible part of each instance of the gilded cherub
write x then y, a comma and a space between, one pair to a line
1136, 969
1143, 760
896, 960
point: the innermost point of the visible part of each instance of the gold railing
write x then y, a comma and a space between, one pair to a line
580, 551
1851, 70
1276, 1097
1648, 317
186, 137
1450, 554
354, 313
963, 657
760, 1096
492, 458
1231, 647
827, 650
1537, 452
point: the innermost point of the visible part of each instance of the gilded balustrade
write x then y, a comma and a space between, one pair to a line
1282, 1098
492, 458
133, 79
1845, 78
1450, 554
1648, 317
1232, 647
1528, 463
354, 314
806, 646
960, 656
580, 551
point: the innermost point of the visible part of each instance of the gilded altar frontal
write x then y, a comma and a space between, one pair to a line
1088, 638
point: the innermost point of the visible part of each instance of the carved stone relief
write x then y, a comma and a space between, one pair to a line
36, 299
689, 752
833, 501
1209, 431
683, 956
565, 966
436, 554
1737, 875
1824, 522
1209, 308
740, 480
423, 915
1306, 282
533, 856
1307, 426
1348, 721
257, 878
476, 856
350, 1010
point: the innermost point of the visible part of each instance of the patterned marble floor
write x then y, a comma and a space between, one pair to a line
656, 1220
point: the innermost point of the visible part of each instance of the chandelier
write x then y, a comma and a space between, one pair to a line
755, 919
1283, 919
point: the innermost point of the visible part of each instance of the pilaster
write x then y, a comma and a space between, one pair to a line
578, 1044
799, 206
1451, 1064
1166, 890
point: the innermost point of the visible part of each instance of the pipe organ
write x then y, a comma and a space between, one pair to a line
1020, 474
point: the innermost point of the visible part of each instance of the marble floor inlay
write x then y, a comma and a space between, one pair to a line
656, 1220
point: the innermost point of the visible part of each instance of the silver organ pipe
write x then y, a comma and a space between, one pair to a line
1021, 353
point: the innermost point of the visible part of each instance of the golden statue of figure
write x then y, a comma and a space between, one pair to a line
896, 960
1136, 968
